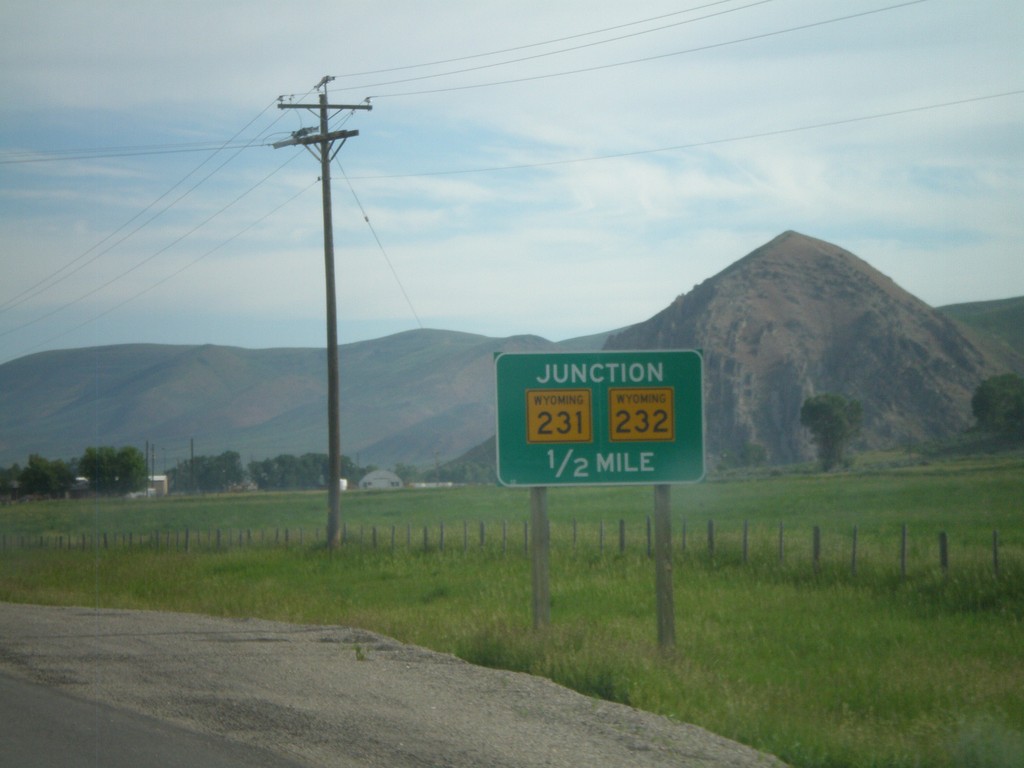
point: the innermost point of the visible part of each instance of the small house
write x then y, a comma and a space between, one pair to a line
380, 480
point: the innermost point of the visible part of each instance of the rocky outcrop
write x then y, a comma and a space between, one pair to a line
800, 316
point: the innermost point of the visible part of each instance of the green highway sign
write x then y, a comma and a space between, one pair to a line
600, 418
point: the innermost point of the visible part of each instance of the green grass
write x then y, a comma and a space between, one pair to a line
822, 669
1002, 318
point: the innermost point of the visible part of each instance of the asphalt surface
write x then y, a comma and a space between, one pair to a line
42, 727
107, 685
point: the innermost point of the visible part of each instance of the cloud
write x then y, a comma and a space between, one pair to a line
562, 244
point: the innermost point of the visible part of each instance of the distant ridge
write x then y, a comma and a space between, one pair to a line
417, 397
794, 317
1002, 319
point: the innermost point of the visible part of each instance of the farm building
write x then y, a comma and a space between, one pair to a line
380, 479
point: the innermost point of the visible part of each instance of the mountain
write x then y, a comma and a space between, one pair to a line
800, 316
795, 317
416, 397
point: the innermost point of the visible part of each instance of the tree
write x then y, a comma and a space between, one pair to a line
99, 465
114, 471
833, 422
132, 470
211, 474
9, 479
998, 404
45, 478
407, 472
286, 472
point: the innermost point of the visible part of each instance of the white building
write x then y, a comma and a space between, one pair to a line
380, 480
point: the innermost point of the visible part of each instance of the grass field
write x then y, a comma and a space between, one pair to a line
823, 668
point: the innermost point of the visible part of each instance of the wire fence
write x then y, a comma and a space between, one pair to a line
710, 542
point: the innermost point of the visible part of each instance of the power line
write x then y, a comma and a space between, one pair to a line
542, 43
562, 50
549, 163
178, 271
148, 259
380, 245
21, 157
696, 144
57, 277
32, 156
645, 59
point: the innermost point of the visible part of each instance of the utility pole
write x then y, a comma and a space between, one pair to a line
320, 145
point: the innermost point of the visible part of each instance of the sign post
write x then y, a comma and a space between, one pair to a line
601, 418
540, 543
663, 566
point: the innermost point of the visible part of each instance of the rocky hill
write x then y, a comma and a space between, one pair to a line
800, 316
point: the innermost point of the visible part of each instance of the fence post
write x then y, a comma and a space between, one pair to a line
943, 552
903, 552
995, 552
187, 535
817, 549
711, 539
853, 554
622, 536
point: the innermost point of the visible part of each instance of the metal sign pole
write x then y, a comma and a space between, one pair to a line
540, 542
663, 566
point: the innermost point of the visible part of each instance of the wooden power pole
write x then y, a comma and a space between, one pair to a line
321, 146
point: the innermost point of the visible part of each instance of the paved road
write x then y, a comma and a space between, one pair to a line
41, 727
320, 696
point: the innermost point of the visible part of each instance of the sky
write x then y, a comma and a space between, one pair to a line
557, 168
